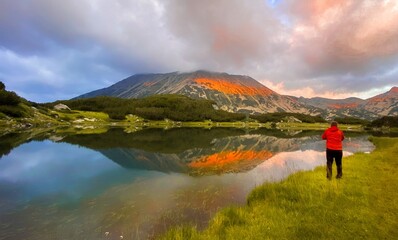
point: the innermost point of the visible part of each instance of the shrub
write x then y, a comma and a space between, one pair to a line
9, 98
351, 120
277, 117
12, 111
386, 121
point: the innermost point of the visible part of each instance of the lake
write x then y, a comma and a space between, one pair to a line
137, 185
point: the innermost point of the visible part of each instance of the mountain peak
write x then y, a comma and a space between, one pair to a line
394, 90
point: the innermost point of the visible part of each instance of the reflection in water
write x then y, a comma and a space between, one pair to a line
140, 184
155, 149
229, 161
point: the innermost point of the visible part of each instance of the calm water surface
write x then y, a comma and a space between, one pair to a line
137, 185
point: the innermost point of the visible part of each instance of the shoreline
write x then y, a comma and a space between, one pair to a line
134, 123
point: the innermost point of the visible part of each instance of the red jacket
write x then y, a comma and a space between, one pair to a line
334, 138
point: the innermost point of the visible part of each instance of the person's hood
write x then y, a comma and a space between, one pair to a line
333, 129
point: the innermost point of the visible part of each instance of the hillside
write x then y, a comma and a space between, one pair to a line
12, 105
237, 93
385, 104
155, 107
233, 93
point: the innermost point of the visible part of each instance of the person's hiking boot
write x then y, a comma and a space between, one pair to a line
329, 171
339, 172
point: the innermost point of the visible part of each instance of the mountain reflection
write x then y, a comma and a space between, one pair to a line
193, 151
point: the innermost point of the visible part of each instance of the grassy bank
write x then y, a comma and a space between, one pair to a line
318, 126
362, 205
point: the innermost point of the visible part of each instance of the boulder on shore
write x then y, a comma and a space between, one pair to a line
61, 106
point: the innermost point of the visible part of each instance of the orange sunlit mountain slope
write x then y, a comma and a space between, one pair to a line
228, 87
343, 106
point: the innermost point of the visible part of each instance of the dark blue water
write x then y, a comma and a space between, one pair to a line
137, 185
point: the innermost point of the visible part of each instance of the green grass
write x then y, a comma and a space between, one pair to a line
317, 126
81, 115
361, 205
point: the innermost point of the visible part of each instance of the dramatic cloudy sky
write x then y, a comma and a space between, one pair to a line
52, 49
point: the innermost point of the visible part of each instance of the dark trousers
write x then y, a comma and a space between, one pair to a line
337, 155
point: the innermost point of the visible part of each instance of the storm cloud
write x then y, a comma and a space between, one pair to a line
59, 49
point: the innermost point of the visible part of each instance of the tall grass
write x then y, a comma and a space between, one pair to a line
361, 205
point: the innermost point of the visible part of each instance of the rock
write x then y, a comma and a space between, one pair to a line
56, 138
23, 125
90, 119
78, 121
292, 119
61, 106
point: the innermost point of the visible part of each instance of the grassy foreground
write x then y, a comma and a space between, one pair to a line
361, 205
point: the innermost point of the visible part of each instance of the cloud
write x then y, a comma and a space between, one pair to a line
129, 31
86, 43
225, 35
46, 78
317, 46
333, 48
351, 43
346, 36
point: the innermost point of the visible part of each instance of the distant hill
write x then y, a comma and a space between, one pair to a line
243, 94
385, 104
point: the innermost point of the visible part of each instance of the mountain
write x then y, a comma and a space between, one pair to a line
234, 93
385, 104
325, 103
237, 93
348, 107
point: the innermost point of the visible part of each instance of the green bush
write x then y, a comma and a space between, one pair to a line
154, 113
117, 115
277, 117
9, 98
351, 120
386, 121
12, 111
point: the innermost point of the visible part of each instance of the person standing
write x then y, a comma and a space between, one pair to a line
334, 149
